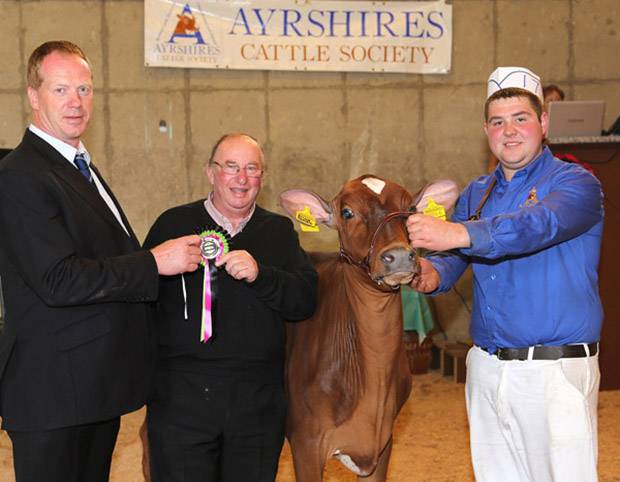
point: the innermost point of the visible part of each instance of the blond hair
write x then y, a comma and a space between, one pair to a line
33, 75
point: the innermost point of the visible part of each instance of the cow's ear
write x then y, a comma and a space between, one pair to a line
299, 203
442, 192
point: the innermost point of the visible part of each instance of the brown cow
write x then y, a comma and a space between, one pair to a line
347, 371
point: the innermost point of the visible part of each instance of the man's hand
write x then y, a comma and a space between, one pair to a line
178, 255
428, 278
239, 264
436, 234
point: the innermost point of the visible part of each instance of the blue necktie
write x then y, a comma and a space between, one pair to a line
82, 165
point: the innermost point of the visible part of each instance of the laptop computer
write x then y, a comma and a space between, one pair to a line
576, 118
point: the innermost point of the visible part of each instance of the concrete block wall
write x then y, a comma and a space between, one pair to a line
318, 129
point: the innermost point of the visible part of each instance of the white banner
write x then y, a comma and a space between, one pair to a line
353, 36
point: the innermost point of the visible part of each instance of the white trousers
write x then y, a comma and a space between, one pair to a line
533, 420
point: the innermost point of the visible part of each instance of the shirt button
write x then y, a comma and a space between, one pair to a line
488, 308
493, 277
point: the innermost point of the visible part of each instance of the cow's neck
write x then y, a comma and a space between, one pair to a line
364, 329
378, 325
378, 313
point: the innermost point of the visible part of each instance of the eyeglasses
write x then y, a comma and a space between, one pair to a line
232, 169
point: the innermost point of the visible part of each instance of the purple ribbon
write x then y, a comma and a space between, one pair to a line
206, 327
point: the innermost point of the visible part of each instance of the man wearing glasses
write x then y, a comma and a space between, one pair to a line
218, 407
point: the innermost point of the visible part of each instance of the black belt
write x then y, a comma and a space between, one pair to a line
544, 352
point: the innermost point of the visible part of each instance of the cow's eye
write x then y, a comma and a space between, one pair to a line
346, 213
411, 209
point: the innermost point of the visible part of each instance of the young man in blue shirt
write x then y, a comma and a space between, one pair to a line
531, 232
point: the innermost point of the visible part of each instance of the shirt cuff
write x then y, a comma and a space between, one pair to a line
479, 236
444, 284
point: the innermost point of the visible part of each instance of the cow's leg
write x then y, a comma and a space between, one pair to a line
307, 460
380, 473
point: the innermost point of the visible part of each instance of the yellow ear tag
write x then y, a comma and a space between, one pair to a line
306, 220
435, 210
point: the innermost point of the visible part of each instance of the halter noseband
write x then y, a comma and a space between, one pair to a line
365, 263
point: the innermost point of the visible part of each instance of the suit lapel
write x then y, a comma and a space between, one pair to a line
132, 235
72, 178
85, 190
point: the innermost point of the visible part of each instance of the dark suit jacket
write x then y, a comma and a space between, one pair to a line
77, 346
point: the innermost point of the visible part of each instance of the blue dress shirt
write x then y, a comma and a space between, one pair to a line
534, 255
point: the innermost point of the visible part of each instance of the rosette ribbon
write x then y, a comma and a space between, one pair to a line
213, 245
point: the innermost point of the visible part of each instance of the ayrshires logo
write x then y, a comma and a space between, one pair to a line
184, 36
186, 27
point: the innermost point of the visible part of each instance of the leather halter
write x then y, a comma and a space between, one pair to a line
365, 263
485, 196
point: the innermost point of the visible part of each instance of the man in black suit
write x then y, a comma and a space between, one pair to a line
77, 348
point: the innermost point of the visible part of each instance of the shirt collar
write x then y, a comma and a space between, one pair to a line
536, 165
222, 220
528, 171
66, 150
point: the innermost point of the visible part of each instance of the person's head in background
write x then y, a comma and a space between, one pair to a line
552, 93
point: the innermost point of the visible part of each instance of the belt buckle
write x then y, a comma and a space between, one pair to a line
511, 354
501, 354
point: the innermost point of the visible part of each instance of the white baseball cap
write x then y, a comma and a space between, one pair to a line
520, 77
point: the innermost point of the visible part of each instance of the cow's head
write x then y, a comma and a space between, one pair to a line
369, 214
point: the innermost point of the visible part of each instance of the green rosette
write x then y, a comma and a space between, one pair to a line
213, 245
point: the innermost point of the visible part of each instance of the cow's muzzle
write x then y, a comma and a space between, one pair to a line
397, 266
402, 256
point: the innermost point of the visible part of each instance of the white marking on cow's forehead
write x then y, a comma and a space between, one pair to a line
374, 184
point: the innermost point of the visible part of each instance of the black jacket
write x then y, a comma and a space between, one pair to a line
77, 346
249, 332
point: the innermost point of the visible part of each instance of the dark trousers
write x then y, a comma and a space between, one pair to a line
73, 454
207, 429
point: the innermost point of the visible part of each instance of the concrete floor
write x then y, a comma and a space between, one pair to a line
430, 440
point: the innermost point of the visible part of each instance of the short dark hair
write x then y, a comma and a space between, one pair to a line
33, 76
547, 89
510, 92
233, 135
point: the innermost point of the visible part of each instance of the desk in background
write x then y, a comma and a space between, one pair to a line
605, 161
